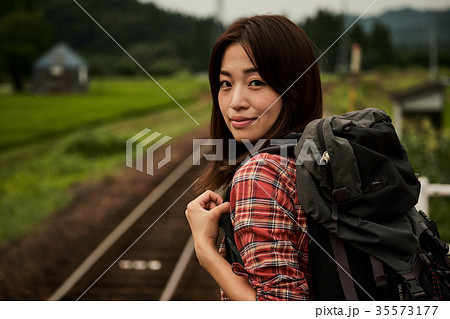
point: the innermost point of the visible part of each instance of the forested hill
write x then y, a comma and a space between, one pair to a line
166, 42
161, 41
412, 28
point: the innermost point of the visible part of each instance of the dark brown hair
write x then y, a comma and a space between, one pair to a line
285, 59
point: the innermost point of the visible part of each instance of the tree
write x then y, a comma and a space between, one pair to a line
323, 30
381, 47
24, 35
357, 35
131, 23
7, 6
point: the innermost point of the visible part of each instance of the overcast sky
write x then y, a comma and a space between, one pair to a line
296, 10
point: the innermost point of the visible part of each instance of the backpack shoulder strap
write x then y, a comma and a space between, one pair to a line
343, 268
231, 250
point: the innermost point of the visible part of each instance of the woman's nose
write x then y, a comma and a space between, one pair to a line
239, 99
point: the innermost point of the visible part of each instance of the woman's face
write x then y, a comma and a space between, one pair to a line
244, 96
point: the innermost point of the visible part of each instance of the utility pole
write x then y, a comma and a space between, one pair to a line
433, 47
217, 17
342, 58
219, 11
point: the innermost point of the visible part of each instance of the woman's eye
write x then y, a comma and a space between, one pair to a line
256, 83
225, 84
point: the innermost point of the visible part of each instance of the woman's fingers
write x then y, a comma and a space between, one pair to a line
203, 215
210, 196
208, 200
220, 210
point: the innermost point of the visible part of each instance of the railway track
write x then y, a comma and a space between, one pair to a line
149, 254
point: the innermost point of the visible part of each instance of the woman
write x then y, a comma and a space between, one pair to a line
264, 84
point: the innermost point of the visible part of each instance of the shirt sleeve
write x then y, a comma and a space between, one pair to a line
269, 224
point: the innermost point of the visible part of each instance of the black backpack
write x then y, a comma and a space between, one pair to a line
357, 186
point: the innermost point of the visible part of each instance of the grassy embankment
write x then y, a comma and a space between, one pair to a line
48, 144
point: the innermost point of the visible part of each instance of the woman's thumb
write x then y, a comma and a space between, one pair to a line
221, 209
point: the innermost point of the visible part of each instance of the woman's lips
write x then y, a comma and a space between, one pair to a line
240, 123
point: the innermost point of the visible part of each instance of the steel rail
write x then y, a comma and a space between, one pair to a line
118, 232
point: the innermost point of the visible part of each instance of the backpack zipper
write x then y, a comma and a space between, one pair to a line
325, 158
325, 169
319, 132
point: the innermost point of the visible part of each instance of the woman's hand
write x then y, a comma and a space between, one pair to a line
203, 215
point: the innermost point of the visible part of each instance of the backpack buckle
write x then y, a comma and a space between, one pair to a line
443, 245
414, 288
341, 194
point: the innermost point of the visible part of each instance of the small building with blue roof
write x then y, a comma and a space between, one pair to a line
60, 70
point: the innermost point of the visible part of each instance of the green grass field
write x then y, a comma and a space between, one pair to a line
27, 118
68, 140
48, 144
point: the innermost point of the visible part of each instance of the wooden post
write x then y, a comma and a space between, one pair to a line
398, 120
355, 67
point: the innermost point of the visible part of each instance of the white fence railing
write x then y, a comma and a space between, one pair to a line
427, 190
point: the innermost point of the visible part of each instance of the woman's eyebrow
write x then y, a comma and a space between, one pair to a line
251, 70
226, 73
246, 71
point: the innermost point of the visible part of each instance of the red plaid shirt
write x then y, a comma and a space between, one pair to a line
273, 246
